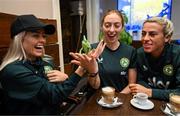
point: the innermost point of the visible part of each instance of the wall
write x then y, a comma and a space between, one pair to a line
94, 10
176, 18
92, 22
41, 8
106, 5
110, 4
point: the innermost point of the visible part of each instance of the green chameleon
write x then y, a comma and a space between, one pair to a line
86, 46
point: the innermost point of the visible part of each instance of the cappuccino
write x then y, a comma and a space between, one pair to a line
108, 94
175, 102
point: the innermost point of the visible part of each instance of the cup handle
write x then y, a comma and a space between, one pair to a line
135, 98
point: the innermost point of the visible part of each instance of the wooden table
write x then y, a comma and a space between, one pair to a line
92, 108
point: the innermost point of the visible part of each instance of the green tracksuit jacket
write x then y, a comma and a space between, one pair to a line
161, 74
27, 90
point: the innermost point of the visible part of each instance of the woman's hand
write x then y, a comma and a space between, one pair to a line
56, 76
126, 90
136, 88
88, 62
98, 51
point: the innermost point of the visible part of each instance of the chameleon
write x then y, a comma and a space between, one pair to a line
86, 47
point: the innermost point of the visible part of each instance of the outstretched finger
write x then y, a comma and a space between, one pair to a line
80, 56
73, 55
99, 49
75, 62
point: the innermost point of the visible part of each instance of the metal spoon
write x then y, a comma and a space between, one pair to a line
167, 110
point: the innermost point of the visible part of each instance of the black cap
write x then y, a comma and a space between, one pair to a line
30, 23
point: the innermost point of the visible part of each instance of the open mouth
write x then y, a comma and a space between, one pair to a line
39, 47
147, 46
111, 36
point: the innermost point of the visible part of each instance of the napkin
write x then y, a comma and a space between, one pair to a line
115, 103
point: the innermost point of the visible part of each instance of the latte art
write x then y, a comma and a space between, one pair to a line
107, 89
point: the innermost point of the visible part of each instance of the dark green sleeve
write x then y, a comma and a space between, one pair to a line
59, 92
133, 59
22, 84
141, 78
162, 94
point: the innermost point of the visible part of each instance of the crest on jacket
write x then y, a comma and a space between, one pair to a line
47, 69
168, 70
124, 62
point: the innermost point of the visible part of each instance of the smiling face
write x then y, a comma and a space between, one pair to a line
111, 28
33, 44
153, 38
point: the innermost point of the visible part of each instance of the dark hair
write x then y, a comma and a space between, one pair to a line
108, 12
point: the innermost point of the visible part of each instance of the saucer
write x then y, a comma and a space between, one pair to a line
149, 105
116, 103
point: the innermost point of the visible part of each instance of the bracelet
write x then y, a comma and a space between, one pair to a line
92, 74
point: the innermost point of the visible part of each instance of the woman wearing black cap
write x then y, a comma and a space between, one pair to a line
27, 87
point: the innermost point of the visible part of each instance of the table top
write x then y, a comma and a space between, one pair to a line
91, 107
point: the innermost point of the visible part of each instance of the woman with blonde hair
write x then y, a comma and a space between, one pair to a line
30, 84
158, 61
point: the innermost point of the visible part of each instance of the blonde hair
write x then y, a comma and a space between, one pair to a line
15, 51
168, 27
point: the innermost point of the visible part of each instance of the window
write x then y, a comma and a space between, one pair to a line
139, 10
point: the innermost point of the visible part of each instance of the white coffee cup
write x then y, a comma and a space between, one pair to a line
108, 94
140, 98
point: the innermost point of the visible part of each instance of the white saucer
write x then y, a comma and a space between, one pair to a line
116, 103
149, 105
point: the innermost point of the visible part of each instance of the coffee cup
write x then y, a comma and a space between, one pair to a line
174, 99
140, 98
108, 94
